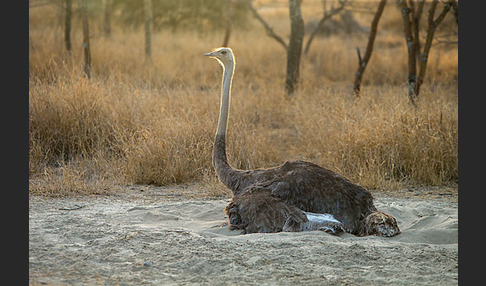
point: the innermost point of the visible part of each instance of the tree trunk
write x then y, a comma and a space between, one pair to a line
295, 46
369, 49
148, 30
229, 16
67, 27
416, 15
86, 47
412, 62
107, 18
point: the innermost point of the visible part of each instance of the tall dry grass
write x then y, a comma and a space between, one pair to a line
134, 123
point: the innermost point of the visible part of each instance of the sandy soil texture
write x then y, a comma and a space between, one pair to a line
150, 238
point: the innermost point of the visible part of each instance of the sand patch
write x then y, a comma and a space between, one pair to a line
154, 240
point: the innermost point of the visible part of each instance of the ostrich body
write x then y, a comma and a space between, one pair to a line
294, 196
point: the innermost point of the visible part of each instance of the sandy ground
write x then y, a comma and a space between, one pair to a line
158, 238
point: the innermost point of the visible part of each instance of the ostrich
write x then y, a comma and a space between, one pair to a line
295, 196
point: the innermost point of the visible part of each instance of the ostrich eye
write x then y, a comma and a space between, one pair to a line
223, 52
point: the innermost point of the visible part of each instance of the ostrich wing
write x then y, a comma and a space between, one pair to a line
312, 188
257, 210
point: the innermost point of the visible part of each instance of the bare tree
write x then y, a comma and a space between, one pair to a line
67, 24
148, 30
432, 25
411, 22
369, 49
86, 47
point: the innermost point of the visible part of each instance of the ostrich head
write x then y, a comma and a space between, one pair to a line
381, 224
223, 55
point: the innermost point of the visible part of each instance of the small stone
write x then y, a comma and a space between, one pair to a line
148, 263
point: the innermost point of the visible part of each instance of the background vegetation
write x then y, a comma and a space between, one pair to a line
139, 123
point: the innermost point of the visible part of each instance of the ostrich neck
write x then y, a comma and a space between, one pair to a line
226, 173
225, 98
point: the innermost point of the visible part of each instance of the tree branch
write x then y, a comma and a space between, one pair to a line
360, 60
447, 7
369, 48
269, 29
433, 23
327, 15
455, 8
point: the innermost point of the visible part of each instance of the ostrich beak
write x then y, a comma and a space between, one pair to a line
211, 54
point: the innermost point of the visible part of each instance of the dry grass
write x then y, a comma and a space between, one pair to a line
381, 139
154, 124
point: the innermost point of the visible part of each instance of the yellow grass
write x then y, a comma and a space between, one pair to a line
134, 123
